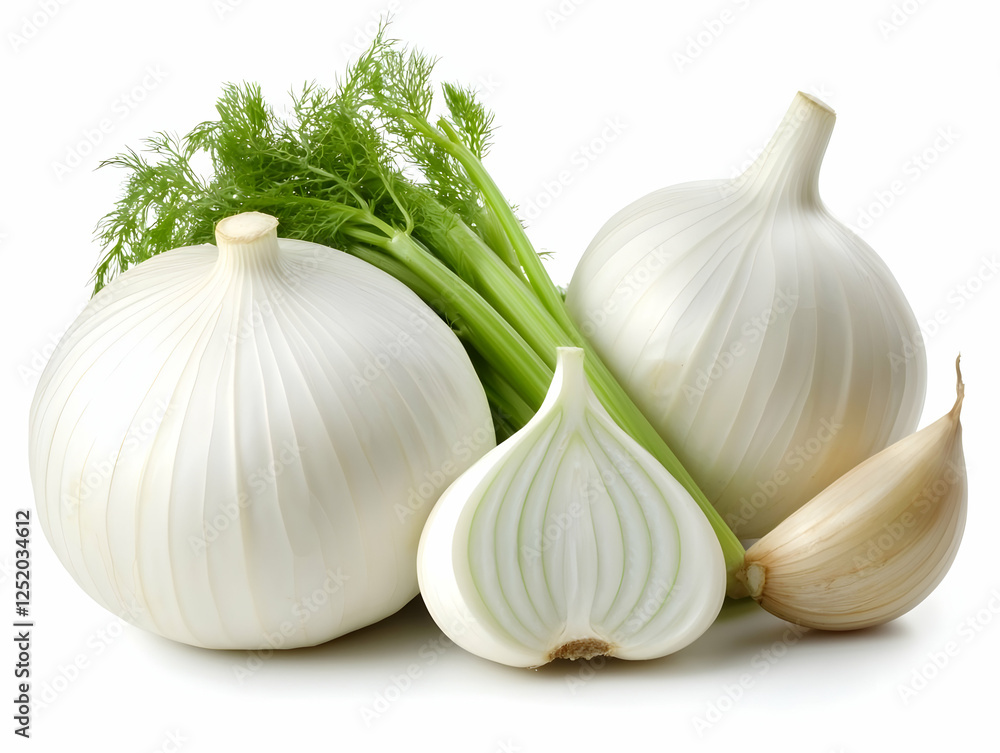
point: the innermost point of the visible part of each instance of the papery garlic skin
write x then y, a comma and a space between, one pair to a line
237, 447
570, 541
769, 345
873, 544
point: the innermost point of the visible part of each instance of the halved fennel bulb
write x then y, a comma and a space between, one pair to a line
237, 447
569, 540
769, 345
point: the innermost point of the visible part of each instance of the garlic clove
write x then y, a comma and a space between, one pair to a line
873, 544
570, 541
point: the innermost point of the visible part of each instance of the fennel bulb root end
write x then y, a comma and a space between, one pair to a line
583, 648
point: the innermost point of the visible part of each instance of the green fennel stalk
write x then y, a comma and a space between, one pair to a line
364, 168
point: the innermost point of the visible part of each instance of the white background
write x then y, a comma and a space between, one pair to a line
898, 74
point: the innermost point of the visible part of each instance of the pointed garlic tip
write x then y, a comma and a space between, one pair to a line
959, 388
873, 544
249, 237
570, 541
790, 163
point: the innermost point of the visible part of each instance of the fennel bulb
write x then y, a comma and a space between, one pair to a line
237, 447
769, 345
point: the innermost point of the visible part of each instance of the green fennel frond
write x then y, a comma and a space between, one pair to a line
369, 150
156, 210
393, 86
470, 118
317, 169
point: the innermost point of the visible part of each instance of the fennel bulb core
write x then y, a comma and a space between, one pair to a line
769, 345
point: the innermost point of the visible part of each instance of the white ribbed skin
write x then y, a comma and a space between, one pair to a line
570, 540
211, 460
755, 330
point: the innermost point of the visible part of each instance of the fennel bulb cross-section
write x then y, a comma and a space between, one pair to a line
569, 540
237, 447
770, 346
